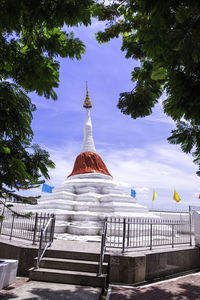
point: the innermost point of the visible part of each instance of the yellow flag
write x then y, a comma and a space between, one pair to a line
154, 195
176, 196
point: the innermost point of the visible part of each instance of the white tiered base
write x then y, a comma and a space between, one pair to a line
83, 201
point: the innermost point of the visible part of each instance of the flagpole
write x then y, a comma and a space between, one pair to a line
174, 200
152, 205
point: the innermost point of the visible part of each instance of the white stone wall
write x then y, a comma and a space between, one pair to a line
196, 222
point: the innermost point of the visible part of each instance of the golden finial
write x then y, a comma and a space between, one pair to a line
87, 103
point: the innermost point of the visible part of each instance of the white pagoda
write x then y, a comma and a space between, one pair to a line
89, 193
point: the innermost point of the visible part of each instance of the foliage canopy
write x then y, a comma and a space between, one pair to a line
164, 36
31, 39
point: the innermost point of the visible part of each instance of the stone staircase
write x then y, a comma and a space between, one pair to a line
79, 268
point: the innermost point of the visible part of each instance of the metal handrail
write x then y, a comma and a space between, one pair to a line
103, 246
41, 250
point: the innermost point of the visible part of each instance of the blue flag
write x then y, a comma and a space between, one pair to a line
18, 185
133, 193
47, 188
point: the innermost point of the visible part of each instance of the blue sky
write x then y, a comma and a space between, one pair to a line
135, 151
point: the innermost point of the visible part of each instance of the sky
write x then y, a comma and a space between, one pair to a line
136, 152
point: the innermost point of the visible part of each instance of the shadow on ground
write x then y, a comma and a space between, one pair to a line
171, 292
76, 293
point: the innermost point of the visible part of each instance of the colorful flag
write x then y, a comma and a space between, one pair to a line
133, 193
176, 196
47, 188
19, 186
154, 195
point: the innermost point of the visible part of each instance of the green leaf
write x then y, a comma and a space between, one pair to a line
6, 150
158, 74
164, 37
31, 42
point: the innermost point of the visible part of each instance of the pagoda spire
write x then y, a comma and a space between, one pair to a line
87, 103
88, 142
88, 161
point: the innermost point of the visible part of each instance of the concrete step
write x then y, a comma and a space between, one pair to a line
71, 277
70, 264
75, 255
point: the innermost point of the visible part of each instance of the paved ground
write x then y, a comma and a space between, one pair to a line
184, 288
181, 288
11, 288
88, 246
58, 244
33, 290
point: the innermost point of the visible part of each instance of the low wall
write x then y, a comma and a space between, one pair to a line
123, 269
25, 256
196, 220
130, 269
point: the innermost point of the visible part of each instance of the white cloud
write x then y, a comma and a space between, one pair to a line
158, 114
162, 167
160, 118
142, 189
124, 184
155, 166
159, 167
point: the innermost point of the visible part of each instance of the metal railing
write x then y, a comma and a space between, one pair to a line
170, 210
128, 233
20, 225
103, 246
46, 238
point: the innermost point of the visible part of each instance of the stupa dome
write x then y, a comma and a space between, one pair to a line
89, 162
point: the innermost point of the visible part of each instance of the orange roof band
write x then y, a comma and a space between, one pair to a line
89, 162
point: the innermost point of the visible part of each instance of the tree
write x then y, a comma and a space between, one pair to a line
164, 36
31, 38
